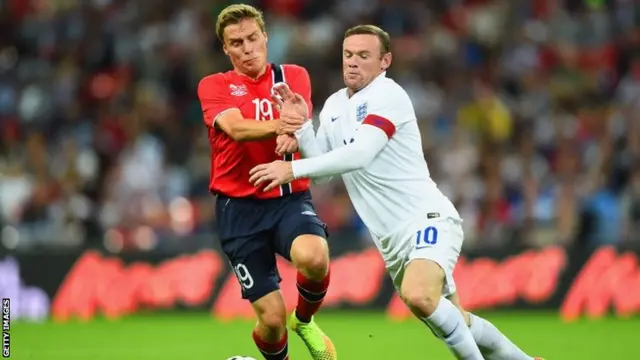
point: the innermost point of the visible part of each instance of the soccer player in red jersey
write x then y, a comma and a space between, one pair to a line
254, 225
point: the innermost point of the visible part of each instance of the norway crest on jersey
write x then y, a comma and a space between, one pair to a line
361, 112
238, 90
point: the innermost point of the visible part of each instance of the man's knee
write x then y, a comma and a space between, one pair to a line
423, 302
310, 254
272, 315
421, 287
273, 319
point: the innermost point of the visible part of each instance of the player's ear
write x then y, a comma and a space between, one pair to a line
224, 48
386, 61
266, 37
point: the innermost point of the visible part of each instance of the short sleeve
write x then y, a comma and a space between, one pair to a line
388, 109
214, 98
298, 80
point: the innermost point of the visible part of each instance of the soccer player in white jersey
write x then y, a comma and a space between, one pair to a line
369, 133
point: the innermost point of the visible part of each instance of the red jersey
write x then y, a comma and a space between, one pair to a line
231, 161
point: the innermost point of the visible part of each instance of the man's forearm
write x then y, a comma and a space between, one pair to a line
310, 144
368, 142
248, 130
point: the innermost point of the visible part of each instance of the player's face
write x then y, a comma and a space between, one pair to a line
246, 45
362, 60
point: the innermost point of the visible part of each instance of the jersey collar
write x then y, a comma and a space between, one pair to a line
378, 78
249, 79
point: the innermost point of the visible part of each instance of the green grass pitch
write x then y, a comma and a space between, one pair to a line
357, 335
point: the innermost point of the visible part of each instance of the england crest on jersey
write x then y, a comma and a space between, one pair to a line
361, 112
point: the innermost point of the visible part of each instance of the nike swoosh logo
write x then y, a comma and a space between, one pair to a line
334, 118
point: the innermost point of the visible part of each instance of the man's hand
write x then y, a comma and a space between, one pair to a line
290, 122
286, 144
293, 108
281, 94
275, 174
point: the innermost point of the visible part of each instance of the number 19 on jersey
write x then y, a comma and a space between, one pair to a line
263, 108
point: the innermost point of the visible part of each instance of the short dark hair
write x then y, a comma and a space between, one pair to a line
383, 36
235, 13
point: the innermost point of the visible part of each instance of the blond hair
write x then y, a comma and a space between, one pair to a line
235, 13
383, 36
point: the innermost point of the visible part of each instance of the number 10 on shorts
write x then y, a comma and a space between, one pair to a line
426, 237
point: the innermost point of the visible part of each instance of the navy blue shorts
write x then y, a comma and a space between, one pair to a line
253, 231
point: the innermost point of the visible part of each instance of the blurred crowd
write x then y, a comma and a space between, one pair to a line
527, 108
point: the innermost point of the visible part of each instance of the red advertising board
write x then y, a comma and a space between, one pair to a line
577, 283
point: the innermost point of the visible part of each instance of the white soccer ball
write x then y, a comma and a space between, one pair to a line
237, 357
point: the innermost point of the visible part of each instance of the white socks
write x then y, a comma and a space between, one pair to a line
448, 323
493, 344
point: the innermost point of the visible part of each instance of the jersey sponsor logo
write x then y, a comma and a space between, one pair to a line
361, 112
238, 90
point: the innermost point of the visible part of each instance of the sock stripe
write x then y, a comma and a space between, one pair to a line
311, 296
452, 331
313, 286
273, 351
305, 289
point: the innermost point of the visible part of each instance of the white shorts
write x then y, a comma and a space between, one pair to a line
439, 240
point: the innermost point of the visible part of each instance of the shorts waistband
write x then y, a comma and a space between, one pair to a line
255, 198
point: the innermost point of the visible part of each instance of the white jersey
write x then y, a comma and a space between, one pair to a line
395, 188
386, 176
